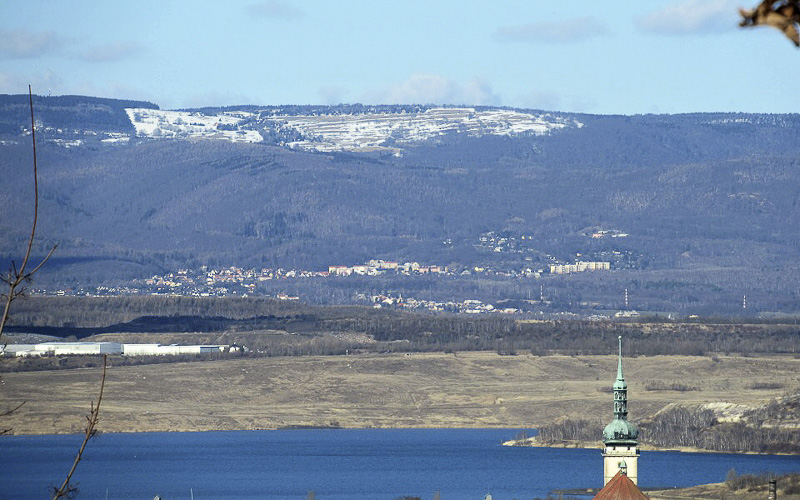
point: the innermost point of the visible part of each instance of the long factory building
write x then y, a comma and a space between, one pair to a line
84, 348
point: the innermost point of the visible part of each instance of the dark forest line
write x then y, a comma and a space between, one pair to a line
392, 330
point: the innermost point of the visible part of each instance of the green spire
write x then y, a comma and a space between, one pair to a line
620, 430
620, 382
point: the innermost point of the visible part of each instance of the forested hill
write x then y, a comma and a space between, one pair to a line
70, 114
685, 204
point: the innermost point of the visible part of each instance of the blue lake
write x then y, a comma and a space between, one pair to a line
371, 464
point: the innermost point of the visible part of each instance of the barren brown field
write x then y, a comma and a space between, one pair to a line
469, 389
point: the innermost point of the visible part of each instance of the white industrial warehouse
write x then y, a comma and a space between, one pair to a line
83, 348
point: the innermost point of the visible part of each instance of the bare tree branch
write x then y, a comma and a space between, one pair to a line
7, 413
16, 277
67, 489
783, 15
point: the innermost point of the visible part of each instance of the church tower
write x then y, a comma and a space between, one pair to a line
621, 452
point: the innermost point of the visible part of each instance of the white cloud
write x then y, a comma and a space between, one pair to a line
581, 104
21, 44
12, 84
480, 91
692, 16
273, 9
42, 83
111, 52
542, 99
332, 95
435, 89
568, 30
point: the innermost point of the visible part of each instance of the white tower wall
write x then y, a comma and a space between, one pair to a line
613, 456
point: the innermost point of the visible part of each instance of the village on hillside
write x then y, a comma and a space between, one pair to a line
237, 281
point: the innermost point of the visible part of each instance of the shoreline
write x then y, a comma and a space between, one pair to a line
533, 443
526, 443
275, 428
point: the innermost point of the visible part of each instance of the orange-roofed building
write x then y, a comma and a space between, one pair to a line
620, 488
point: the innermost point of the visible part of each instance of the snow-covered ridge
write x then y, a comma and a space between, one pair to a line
191, 125
344, 132
387, 131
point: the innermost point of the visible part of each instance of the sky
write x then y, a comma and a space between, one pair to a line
618, 57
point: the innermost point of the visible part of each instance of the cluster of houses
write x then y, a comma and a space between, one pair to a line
250, 277
469, 306
113, 348
608, 233
503, 243
206, 282
378, 267
220, 282
579, 267
228, 275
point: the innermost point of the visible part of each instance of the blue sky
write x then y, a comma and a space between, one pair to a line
625, 57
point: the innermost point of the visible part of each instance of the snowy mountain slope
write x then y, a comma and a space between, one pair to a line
191, 125
382, 131
344, 132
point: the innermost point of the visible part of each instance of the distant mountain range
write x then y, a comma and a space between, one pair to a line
709, 203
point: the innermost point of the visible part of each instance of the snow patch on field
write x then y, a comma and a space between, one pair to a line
116, 138
68, 143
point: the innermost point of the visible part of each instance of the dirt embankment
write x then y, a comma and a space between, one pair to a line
474, 389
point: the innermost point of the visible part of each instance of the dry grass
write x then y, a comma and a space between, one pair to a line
787, 490
475, 389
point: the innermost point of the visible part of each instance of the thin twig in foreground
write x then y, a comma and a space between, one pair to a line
16, 277
66, 488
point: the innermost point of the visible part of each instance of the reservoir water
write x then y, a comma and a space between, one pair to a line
379, 464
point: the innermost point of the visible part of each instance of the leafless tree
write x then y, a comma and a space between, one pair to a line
15, 278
